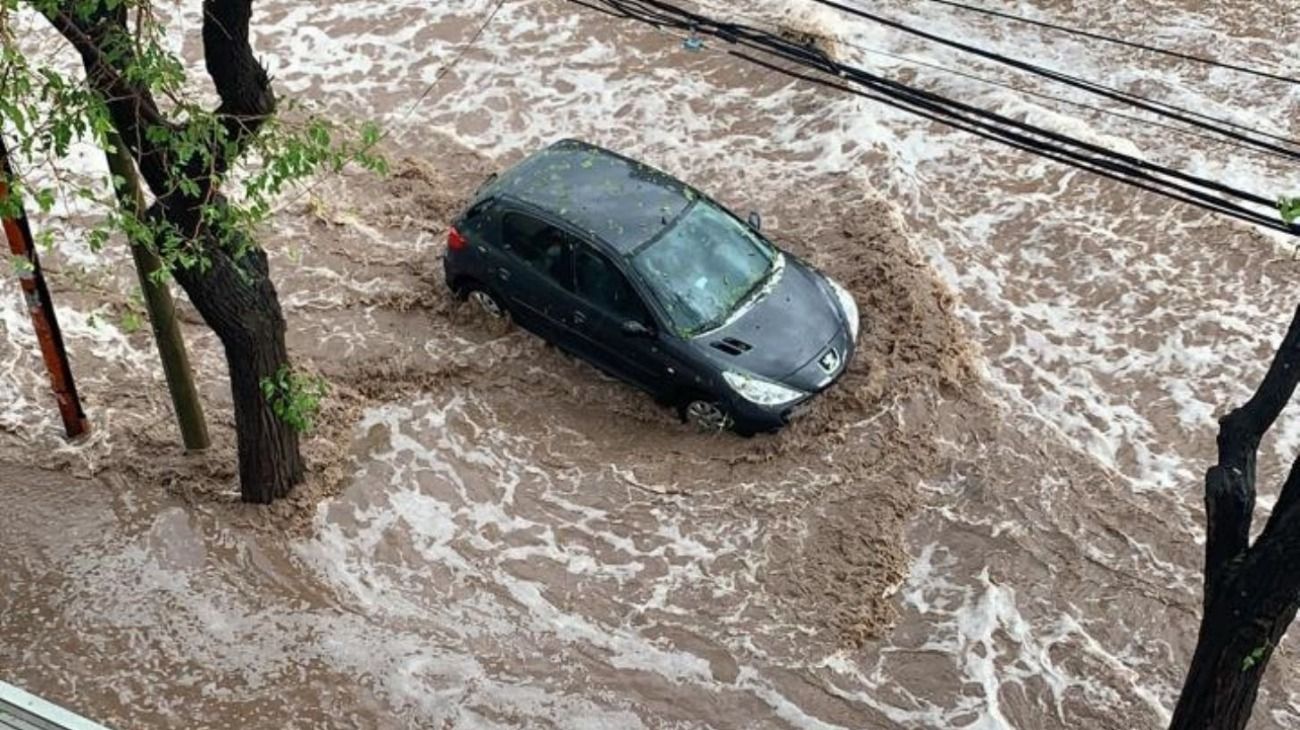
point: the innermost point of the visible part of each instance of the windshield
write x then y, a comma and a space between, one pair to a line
704, 267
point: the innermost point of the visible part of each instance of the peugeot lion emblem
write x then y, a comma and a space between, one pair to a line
830, 362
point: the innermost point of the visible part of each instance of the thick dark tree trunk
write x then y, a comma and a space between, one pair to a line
270, 463
1252, 591
1237, 638
236, 297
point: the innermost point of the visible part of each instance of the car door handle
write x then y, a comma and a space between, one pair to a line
503, 274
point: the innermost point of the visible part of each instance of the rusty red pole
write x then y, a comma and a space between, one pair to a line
42, 310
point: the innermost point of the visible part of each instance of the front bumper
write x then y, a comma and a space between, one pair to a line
753, 418
756, 418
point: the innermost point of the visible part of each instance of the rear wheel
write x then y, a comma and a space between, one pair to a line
489, 303
485, 300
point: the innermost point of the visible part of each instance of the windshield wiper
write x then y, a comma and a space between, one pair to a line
757, 286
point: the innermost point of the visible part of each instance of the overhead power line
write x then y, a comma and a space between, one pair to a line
839, 41
1197, 191
1220, 126
1097, 167
1275, 76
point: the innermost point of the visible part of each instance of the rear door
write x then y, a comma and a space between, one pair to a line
535, 275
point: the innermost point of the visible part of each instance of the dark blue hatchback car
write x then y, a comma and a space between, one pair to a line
644, 277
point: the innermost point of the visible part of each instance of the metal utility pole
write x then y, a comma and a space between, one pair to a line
41, 308
162, 311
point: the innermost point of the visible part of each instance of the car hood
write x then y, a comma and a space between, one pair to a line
781, 333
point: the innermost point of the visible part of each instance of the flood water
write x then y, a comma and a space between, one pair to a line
993, 522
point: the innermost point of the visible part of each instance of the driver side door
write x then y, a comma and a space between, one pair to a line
602, 302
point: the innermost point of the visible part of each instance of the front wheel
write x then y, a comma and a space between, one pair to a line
707, 416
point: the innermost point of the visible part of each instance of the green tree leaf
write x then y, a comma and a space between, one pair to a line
1289, 208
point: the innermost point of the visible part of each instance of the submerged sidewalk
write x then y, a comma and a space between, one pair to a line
21, 710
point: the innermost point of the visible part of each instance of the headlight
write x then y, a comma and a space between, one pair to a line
847, 304
760, 391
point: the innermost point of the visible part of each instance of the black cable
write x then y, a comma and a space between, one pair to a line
1097, 167
1118, 41
446, 69
1168, 110
768, 42
937, 101
1151, 105
1078, 104
997, 126
1027, 92
1100, 160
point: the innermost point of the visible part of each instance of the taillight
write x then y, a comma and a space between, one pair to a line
455, 241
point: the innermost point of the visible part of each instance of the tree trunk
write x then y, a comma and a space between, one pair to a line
236, 297
270, 463
1251, 590
1239, 632
162, 311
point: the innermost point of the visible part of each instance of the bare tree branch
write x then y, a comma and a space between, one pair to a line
1230, 484
1279, 384
1229, 501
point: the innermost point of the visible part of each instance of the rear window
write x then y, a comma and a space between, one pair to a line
477, 220
540, 245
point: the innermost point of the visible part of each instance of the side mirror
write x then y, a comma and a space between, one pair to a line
755, 220
633, 328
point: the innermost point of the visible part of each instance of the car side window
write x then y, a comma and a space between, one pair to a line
540, 244
603, 285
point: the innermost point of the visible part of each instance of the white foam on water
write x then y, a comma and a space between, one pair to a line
978, 230
445, 522
996, 646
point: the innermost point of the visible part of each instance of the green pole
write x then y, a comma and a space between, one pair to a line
162, 311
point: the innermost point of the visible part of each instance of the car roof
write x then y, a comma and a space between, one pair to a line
616, 199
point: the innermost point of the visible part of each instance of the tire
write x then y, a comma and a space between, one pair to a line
705, 414
486, 301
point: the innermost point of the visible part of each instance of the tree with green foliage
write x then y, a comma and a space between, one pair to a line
213, 174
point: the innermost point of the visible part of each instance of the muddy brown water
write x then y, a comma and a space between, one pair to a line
990, 523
